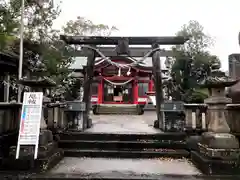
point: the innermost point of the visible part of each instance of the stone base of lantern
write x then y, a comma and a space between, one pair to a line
226, 141
211, 166
48, 155
224, 154
217, 153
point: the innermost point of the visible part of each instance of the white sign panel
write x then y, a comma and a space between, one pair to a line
30, 121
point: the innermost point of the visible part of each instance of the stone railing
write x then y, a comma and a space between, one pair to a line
233, 117
9, 116
195, 115
9, 125
55, 115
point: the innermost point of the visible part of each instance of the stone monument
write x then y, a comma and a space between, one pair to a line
218, 148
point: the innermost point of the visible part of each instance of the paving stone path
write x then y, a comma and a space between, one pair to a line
131, 167
124, 124
124, 167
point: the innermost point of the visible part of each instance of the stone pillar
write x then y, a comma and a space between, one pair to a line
62, 123
56, 115
50, 117
158, 84
203, 115
190, 111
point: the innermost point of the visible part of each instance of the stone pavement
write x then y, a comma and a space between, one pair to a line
124, 167
124, 124
127, 167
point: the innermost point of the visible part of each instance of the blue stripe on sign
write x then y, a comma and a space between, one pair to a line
24, 113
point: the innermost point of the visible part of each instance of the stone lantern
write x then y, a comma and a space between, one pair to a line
217, 147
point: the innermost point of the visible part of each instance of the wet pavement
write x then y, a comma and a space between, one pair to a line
126, 167
124, 124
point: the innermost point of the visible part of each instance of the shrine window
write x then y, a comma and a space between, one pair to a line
142, 88
94, 88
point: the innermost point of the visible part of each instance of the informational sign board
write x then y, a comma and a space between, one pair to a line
30, 121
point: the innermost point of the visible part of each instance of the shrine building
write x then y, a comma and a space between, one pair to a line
114, 86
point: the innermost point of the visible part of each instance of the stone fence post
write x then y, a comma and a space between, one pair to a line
195, 117
75, 110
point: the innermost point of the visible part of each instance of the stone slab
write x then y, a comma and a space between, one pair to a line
105, 166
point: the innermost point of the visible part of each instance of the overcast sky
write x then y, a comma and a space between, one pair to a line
221, 19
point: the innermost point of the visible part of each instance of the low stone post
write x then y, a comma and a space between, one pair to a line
50, 116
62, 121
75, 109
173, 116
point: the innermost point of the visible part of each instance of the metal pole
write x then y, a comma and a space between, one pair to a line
21, 50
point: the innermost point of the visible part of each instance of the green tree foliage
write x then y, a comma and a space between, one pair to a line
41, 40
8, 26
192, 61
81, 26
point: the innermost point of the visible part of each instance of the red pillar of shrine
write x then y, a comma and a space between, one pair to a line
100, 92
150, 85
135, 91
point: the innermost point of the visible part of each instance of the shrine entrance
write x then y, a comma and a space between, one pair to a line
118, 93
118, 90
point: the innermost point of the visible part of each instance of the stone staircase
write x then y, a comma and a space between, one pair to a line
123, 145
131, 109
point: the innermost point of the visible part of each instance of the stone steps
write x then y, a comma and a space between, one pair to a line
124, 145
174, 136
153, 153
118, 109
